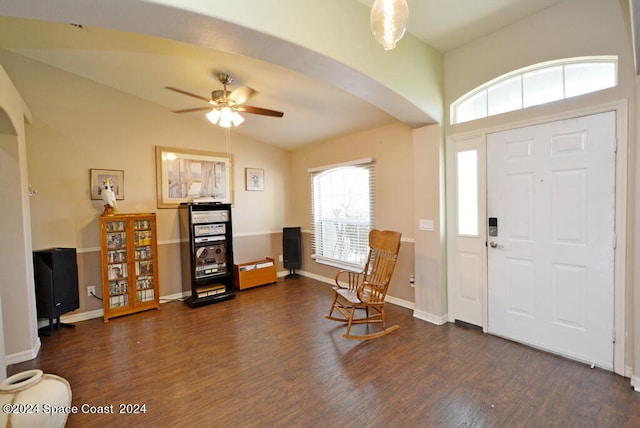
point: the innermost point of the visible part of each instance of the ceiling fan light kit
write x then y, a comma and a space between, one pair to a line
224, 117
388, 21
226, 104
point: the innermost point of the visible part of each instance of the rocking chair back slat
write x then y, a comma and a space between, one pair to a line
368, 289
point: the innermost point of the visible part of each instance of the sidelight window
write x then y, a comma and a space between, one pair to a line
467, 181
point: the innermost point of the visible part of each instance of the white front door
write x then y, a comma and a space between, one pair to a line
551, 191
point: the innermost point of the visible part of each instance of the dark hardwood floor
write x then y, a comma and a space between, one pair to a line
268, 358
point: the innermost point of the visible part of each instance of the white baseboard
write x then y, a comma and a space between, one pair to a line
82, 316
425, 316
400, 302
635, 383
20, 357
173, 297
393, 300
317, 277
70, 319
98, 313
433, 319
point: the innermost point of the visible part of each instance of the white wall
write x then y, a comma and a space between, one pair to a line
17, 286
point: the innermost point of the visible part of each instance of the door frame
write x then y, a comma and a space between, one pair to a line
478, 139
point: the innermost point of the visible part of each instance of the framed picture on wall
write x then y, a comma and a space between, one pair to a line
184, 175
98, 177
254, 179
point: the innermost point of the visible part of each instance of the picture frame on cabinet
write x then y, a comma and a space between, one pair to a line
254, 179
97, 178
184, 175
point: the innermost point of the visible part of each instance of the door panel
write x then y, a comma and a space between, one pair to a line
550, 269
469, 269
521, 287
568, 209
569, 296
519, 217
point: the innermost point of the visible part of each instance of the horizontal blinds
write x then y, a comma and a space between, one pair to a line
359, 162
343, 208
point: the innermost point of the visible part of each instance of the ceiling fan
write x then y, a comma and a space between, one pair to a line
226, 104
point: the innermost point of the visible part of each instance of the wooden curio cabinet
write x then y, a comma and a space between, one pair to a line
129, 264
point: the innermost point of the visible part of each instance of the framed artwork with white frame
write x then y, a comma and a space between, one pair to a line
254, 179
184, 175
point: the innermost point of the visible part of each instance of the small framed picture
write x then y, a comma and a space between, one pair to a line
254, 179
97, 178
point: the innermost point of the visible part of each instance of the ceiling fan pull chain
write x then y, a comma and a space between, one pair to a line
227, 134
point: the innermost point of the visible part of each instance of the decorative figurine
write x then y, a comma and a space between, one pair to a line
109, 197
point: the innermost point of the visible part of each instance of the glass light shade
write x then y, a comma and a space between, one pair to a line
236, 119
224, 117
389, 21
213, 116
226, 114
224, 123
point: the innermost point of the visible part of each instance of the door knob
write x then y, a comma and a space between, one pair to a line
494, 244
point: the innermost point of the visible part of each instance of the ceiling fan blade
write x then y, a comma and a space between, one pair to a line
241, 95
258, 110
189, 110
180, 91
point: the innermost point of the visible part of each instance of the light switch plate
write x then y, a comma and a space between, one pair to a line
425, 225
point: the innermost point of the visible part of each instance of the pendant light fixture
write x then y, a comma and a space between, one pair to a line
389, 21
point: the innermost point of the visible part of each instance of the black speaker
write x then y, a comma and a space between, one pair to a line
292, 250
56, 281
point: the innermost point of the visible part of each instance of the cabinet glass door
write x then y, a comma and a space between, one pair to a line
143, 237
117, 270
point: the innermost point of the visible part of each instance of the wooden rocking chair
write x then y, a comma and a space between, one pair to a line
365, 291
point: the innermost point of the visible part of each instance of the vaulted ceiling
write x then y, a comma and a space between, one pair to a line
319, 101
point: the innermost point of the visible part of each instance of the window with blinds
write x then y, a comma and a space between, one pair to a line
343, 212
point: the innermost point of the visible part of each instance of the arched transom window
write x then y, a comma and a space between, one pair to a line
535, 85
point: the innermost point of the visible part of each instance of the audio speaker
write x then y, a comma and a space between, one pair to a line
56, 281
292, 249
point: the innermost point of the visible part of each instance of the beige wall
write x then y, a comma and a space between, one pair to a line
79, 125
72, 133
392, 148
633, 289
428, 196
